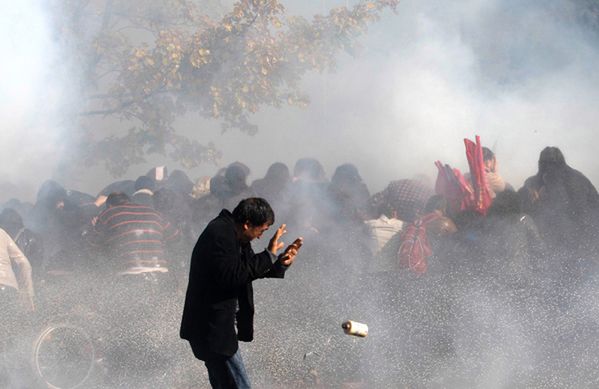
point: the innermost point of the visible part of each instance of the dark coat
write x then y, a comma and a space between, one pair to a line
513, 250
567, 210
220, 280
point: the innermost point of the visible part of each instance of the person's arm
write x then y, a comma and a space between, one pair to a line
24, 278
229, 269
232, 270
277, 270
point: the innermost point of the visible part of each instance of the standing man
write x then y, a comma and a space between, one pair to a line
220, 294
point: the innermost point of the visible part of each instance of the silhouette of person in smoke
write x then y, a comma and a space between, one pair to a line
562, 200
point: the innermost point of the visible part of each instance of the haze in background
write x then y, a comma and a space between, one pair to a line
518, 73
33, 92
512, 72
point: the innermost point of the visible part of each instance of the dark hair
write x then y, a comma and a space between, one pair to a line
11, 221
254, 210
278, 171
145, 182
50, 193
346, 174
551, 158
116, 198
218, 186
235, 176
179, 182
488, 155
309, 168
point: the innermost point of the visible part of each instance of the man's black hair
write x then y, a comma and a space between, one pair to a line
116, 198
254, 210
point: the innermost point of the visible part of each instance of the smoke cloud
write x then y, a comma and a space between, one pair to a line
520, 74
33, 92
517, 73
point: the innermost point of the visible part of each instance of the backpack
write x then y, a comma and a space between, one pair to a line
415, 247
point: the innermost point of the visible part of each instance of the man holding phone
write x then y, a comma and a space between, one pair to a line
220, 295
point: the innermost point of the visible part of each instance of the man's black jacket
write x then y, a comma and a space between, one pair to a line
220, 281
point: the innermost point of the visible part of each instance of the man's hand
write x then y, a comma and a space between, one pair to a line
290, 252
274, 245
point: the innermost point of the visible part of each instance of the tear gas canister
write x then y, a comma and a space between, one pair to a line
354, 328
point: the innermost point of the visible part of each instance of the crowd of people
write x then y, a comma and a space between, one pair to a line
123, 254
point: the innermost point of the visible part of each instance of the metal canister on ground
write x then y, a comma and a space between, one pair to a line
354, 328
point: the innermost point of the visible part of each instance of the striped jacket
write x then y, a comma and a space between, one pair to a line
135, 235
